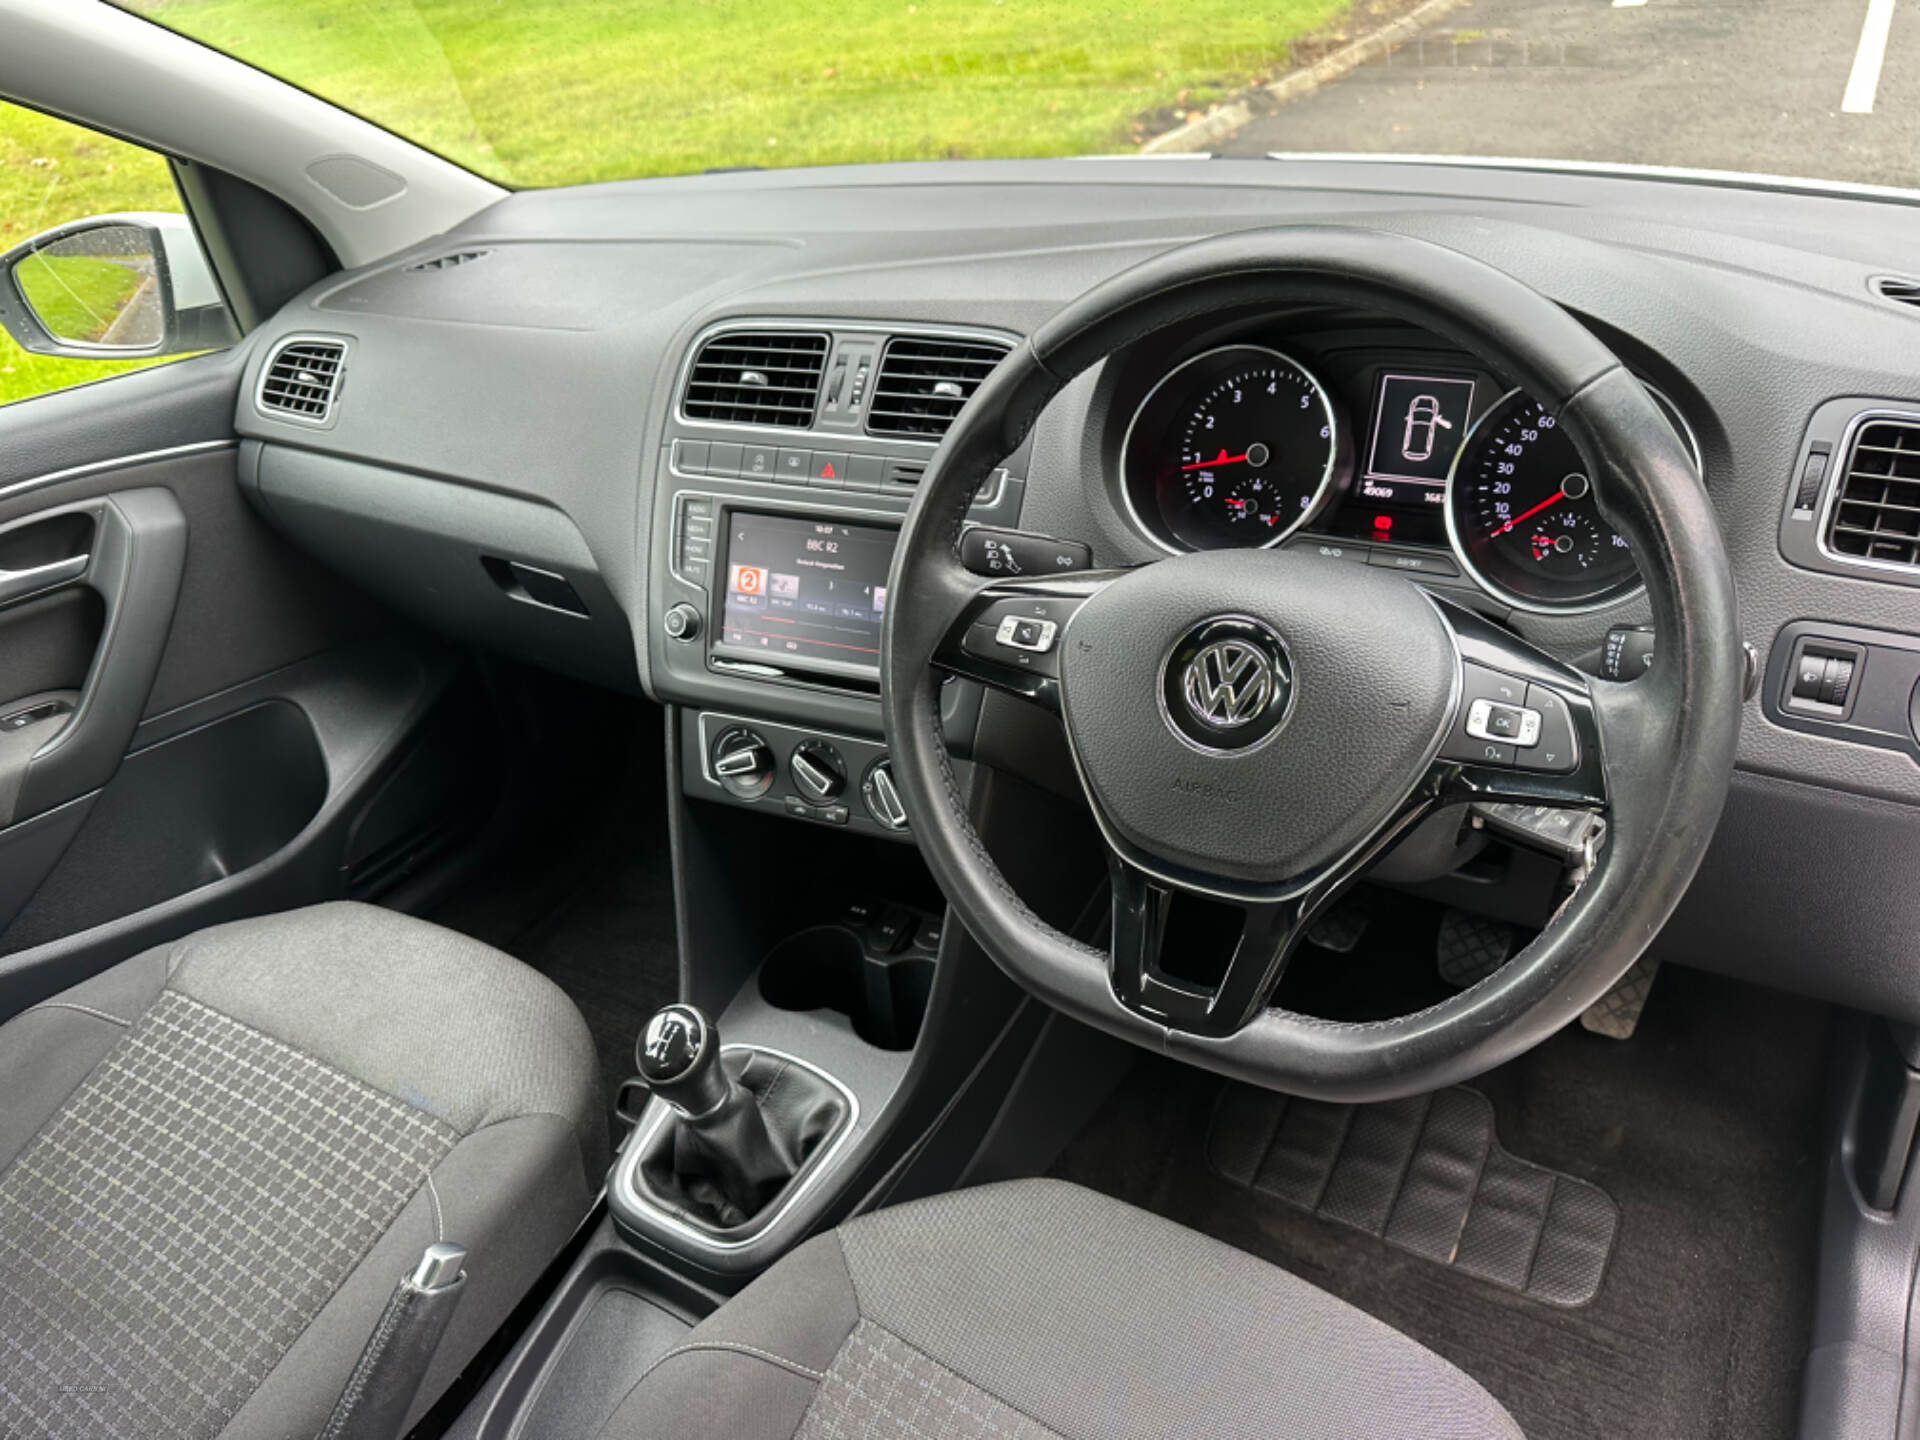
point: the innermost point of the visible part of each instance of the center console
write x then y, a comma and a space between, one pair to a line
791, 456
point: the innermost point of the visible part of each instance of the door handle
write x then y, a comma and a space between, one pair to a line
135, 563
38, 579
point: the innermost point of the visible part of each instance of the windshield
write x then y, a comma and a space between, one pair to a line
555, 92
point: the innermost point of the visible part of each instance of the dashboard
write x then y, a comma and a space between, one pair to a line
660, 434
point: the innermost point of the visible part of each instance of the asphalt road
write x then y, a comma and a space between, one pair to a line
1754, 85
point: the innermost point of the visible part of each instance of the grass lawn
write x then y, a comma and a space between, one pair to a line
79, 298
549, 92
51, 172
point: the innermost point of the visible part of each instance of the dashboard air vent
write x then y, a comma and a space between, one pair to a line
449, 262
757, 378
1901, 289
924, 382
302, 379
1876, 514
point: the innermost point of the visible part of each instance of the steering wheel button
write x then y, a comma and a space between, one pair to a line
1490, 720
1484, 692
1555, 749
1022, 634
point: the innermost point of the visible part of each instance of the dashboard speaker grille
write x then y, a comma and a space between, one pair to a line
757, 378
1876, 514
302, 380
924, 382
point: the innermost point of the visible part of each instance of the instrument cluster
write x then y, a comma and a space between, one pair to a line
1244, 444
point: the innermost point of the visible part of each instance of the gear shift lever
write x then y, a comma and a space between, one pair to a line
679, 1058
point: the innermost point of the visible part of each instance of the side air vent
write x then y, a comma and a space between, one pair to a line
757, 378
1876, 512
302, 379
449, 262
924, 382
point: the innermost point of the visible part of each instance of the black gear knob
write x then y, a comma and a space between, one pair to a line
679, 1058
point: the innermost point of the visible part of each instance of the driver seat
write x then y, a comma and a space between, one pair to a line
1037, 1310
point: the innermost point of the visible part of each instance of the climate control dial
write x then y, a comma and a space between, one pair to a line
742, 762
818, 772
882, 795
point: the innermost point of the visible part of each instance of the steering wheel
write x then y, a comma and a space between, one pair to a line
1259, 726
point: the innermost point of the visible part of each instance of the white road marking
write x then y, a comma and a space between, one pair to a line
1627, 4
1865, 79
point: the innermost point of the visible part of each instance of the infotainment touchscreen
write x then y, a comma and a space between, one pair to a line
805, 594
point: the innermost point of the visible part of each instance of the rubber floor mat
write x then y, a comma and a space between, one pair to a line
1427, 1175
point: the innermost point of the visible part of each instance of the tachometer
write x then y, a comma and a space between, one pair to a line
1235, 447
1522, 513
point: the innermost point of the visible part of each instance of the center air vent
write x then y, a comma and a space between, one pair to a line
757, 378
449, 262
1876, 512
301, 380
924, 382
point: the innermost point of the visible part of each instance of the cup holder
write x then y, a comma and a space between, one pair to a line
830, 968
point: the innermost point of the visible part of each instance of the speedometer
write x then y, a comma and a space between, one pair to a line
1235, 447
1523, 517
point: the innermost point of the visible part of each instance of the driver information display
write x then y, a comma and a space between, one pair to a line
1418, 424
805, 591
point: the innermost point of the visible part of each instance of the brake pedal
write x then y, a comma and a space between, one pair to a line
1340, 929
1471, 947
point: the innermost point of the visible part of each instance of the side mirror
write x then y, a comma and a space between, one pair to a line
113, 287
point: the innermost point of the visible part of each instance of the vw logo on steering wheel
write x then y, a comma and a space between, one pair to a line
1227, 684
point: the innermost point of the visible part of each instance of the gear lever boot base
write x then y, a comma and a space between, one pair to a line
742, 1126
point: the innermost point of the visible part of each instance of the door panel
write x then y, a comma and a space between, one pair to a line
226, 709
48, 642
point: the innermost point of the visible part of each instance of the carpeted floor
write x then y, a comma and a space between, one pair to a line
586, 894
1705, 1128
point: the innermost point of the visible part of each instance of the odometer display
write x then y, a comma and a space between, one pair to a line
1521, 507
1235, 447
